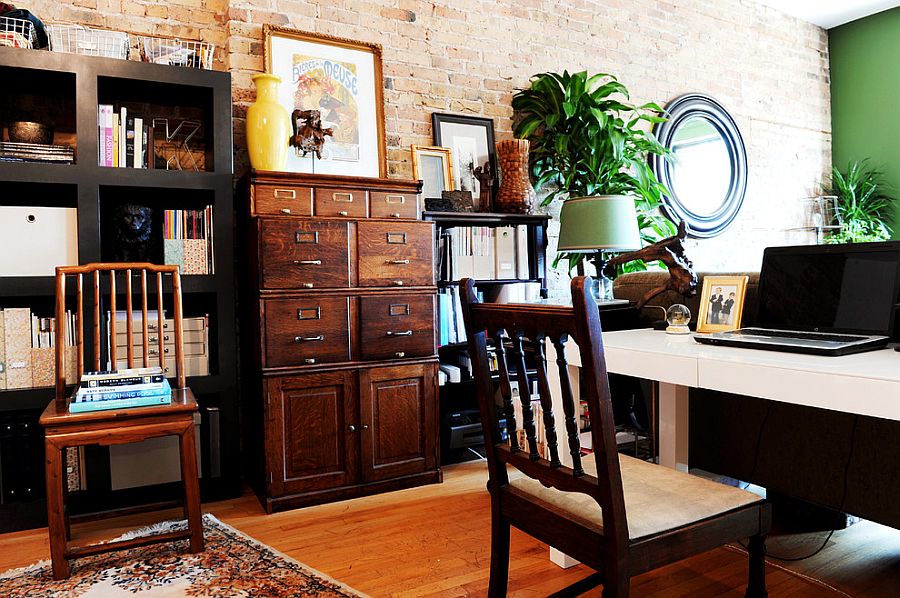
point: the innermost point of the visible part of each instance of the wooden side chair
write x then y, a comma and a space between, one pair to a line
64, 429
616, 514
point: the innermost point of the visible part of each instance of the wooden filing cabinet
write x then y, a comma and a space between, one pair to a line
341, 314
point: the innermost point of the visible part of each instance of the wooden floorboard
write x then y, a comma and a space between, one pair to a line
434, 541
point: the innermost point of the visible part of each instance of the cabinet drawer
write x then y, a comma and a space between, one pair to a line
349, 203
397, 326
284, 199
395, 254
304, 254
306, 331
387, 204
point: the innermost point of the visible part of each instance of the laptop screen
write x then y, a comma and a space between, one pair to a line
830, 288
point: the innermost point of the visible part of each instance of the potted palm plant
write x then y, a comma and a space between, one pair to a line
588, 141
862, 204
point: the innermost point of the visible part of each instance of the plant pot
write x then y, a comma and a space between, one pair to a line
516, 195
268, 126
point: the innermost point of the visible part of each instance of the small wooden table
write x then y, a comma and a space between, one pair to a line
63, 429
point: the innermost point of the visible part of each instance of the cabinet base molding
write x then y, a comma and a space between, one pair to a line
308, 499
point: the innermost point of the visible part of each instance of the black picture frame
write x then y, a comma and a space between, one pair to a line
482, 129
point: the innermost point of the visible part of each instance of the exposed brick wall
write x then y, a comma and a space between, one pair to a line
468, 56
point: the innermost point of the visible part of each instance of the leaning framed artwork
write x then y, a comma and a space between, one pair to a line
721, 303
342, 79
471, 140
434, 167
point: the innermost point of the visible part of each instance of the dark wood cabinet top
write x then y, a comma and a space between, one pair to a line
330, 180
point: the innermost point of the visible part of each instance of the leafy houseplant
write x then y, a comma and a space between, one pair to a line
587, 140
862, 205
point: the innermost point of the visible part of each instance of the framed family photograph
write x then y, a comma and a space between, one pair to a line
342, 79
434, 167
721, 303
471, 141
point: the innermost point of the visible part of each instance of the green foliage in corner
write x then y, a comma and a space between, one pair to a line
863, 204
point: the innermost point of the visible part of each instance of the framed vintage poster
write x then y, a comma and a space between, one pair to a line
342, 79
721, 303
434, 167
471, 141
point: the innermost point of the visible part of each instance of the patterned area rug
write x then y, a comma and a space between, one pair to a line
233, 564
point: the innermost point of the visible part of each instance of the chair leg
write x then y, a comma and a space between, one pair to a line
756, 586
191, 487
56, 518
499, 555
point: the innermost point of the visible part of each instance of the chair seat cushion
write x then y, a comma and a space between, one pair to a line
657, 498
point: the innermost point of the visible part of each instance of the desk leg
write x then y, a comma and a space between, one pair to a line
56, 518
673, 426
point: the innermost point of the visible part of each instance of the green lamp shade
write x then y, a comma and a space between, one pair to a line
606, 222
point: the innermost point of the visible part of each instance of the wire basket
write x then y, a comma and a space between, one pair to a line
18, 33
177, 52
77, 39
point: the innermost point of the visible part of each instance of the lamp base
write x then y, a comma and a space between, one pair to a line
601, 287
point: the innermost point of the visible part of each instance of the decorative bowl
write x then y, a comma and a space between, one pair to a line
30, 132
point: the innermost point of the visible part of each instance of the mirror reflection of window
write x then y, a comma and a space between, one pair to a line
701, 170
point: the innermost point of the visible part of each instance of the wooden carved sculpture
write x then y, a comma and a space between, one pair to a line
669, 251
486, 184
309, 136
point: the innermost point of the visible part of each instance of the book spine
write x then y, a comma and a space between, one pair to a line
78, 407
82, 396
129, 142
104, 391
137, 131
151, 153
123, 136
126, 381
117, 127
107, 135
144, 141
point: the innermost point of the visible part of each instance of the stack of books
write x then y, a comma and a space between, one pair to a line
11, 151
121, 389
125, 140
188, 240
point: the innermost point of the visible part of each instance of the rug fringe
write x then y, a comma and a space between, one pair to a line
27, 570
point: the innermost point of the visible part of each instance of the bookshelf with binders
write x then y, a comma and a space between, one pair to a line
504, 253
73, 205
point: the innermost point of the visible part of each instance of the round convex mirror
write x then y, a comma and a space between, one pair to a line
707, 172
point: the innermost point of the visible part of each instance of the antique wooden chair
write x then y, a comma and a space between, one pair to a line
64, 429
616, 514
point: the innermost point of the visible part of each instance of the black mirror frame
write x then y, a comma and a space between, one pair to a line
677, 111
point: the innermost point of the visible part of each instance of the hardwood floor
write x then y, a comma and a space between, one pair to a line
433, 541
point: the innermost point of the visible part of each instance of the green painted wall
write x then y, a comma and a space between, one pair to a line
865, 95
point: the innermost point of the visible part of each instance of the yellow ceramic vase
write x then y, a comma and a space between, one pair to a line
268, 126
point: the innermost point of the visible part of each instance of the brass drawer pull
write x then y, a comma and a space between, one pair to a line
285, 194
404, 333
351, 428
395, 215
309, 361
309, 339
155, 339
285, 210
394, 199
398, 262
308, 262
398, 283
156, 351
342, 197
343, 213
399, 354
307, 285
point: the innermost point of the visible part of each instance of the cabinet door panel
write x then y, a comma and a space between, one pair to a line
309, 445
397, 414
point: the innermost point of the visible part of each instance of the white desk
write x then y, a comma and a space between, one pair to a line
862, 384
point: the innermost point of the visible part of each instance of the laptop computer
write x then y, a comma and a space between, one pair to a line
823, 299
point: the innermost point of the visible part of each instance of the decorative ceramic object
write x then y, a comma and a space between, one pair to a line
30, 132
516, 196
268, 126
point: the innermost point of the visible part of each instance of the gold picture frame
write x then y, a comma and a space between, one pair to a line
721, 303
425, 170
343, 78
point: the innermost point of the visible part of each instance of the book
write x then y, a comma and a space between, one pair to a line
138, 142
122, 381
86, 395
144, 156
122, 372
522, 267
17, 332
505, 253
123, 134
102, 391
129, 142
105, 116
124, 403
115, 133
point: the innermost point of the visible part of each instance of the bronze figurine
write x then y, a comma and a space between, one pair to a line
309, 136
669, 251
486, 185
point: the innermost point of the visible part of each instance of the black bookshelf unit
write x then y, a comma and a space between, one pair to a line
536, 225
68, 89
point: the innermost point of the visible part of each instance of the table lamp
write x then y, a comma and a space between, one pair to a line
595, 225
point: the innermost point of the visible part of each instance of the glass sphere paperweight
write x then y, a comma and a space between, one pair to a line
678, 317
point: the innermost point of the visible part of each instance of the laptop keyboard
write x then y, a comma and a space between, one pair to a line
812, 336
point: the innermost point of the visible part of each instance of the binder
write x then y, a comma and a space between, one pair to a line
17, 334
483, 253
522, 270
34, 240
505, 253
